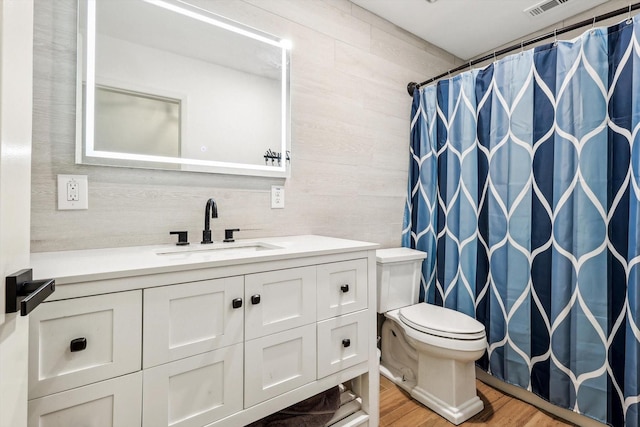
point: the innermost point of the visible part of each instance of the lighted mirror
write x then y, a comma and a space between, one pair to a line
165, 84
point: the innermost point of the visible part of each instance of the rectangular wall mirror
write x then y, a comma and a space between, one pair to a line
164, 84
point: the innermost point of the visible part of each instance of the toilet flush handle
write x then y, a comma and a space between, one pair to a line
344, 288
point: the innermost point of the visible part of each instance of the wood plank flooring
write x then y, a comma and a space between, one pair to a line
398, 409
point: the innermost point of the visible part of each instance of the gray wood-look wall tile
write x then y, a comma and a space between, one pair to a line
350, 136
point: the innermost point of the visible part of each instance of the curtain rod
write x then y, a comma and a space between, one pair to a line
413, 85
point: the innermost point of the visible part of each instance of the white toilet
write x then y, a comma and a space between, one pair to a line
427, 350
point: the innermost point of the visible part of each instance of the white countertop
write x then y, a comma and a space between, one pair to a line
97, 264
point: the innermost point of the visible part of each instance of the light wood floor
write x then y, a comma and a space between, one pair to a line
398, 409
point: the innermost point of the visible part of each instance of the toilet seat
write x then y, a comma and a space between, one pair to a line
441, 322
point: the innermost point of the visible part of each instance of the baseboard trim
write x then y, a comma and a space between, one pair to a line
536, 401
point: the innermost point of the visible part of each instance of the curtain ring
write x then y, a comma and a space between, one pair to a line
522, 47
494, 56
555, 36
593, 25
629, 19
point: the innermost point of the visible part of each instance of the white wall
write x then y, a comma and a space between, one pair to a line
350, 136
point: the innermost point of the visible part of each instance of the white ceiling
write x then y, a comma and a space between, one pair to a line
468, 28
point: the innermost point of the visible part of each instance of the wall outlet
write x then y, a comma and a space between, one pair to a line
73, 192
277, 197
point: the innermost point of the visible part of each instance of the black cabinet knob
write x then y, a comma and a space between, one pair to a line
78, 344
344, 288
255, 299
346, 342
236, 303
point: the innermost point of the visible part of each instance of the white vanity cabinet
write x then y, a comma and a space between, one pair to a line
209, 344
279, 300
191, 318
110, 403
192, 352
79, 350
279, 363
342, 288
280, 332
344, 341
194, 391
344, 321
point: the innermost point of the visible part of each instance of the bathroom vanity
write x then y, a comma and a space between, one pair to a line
204, 335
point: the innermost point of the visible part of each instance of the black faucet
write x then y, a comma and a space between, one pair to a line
210, 209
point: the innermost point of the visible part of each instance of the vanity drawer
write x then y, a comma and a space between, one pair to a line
191, 318
279, 300
112, 403
344, 342
342, 288
80, 341
279, 363
195, 391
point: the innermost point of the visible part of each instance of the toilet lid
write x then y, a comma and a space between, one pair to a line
442, 322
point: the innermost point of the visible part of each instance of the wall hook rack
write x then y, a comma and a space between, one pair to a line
275, 157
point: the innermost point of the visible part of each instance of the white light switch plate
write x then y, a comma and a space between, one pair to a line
73, 192
277, 197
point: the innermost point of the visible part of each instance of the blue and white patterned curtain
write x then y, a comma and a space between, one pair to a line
524, 189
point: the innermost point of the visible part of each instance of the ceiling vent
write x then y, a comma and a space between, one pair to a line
544, 6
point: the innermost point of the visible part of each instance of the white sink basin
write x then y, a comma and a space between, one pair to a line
218, 248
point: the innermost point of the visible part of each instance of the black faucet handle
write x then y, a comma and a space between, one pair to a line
206, 237
182, 237
228, 234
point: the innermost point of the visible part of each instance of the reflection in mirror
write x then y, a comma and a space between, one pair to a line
136, 123
163, 84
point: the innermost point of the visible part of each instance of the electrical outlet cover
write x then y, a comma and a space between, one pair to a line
277, 197
73, 192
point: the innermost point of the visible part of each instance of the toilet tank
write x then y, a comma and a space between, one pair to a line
398, 273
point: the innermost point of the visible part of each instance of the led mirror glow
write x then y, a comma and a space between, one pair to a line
163, 84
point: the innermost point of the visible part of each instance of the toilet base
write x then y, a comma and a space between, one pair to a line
454, 414
396, 377
442, 379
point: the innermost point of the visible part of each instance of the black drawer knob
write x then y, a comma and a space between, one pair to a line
255, 299
344, 288
236, 303
78, 344
346, 342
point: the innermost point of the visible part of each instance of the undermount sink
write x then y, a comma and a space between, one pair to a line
218, 248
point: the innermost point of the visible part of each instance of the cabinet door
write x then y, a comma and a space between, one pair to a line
342, 288
191, 318
344, 342
195, 391
112, 403
279, 300
278, 363
79, 341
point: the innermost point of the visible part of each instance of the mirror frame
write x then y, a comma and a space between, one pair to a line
85, 117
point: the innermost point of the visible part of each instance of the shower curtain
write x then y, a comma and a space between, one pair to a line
524, 190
